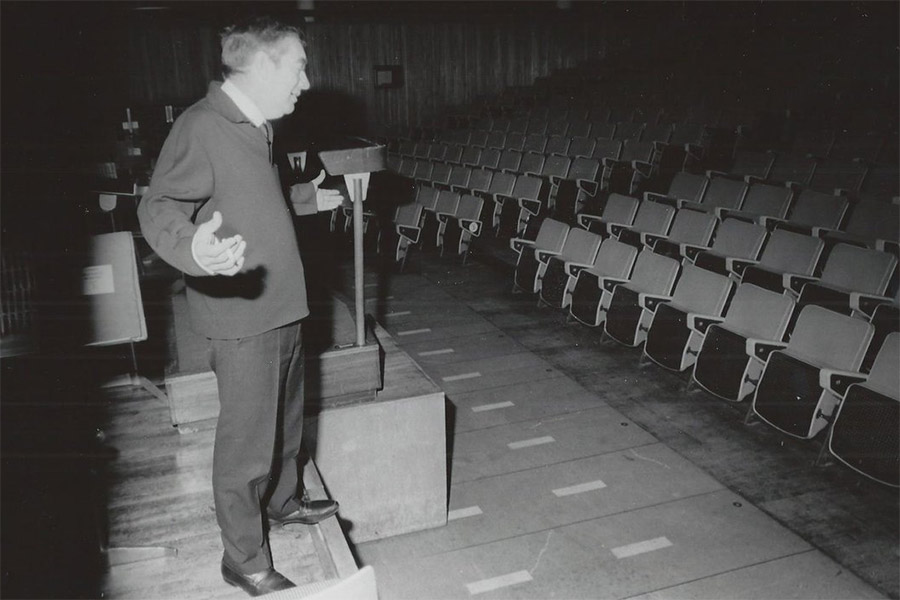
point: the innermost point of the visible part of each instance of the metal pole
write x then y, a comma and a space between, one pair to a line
358, 260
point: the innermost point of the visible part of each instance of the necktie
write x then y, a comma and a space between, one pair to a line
268, 133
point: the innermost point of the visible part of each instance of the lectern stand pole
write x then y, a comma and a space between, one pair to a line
358, 260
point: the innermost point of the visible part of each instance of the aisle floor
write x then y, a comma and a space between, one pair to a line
578, 472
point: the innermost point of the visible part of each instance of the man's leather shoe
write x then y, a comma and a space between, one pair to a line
256, 584
309, 513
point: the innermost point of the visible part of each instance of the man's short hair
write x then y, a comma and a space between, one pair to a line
241, 41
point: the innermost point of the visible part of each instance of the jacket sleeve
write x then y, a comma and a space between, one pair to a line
182, 180
303, 199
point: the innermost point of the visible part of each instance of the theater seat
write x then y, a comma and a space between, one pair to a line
651, 218
670, 340
735, 240
444, 208
580, 183
787, 254
685, 186
619, 210
517, 207
584, 292
626, 321
580, 250
406, 231
848, 269
865, 434
690, 229
724, 367
533, 255
800, 384
463, 227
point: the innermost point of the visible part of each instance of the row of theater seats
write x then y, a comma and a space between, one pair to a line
814, 352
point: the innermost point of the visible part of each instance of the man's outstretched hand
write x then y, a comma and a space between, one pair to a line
215, 256
326, 199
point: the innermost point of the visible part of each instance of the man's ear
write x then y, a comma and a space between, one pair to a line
261, 62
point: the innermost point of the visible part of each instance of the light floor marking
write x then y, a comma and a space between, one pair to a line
462, 513
399, 313
641, 547
436, 352
580, 488
532, 442
414, 331
494, 406
461, 376
495, 583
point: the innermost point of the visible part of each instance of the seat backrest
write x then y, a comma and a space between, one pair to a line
557, 144
515, 140
884, 377
527, 187
471, 155
693, 227
407, 166
858, 269
739, 239
792, 167
537, 126
503, 183
829, 339
478, 138
687, 186
437, 151
833, 174
767, 200
490, 158
756, 312
653, 217
496, 138
532, 163
584, 168
620, 209
581, 246
752, 162
535, 142
460, 175
510, 159
659, 132
409, 215
556, 166
481, 179
551, 236
440, 173
653, 273
790, 252
614, 259
469, 207
686, 133
581, 147
602, 130
874, 221
579, 128
604, 148
426, 196
454, 153
725, 193
423, 169
882, 180
701, 291
628, 131
818, 209
447, 202
635, 150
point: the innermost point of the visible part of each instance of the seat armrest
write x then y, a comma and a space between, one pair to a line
501, 198
891, 246
661, 198
587, 186
443, 217
616, 228
585, 220
544, 256
573, 268
761, 349
576, 268
700, 323
409, 232
838, 381
642, 167
690, 250
821, 232
441, 186
483, 194
519, 244
651, 301
610, 162
473, 227
648, 239
867, 303
738, 265
769, 222
532, 206
609, 283
795, 282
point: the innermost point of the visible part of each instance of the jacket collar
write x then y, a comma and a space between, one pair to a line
223, 104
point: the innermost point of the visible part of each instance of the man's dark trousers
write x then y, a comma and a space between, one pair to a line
260, 382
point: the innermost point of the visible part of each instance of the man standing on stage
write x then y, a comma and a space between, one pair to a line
215, 210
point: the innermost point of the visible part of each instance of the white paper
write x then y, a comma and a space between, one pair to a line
97, 280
